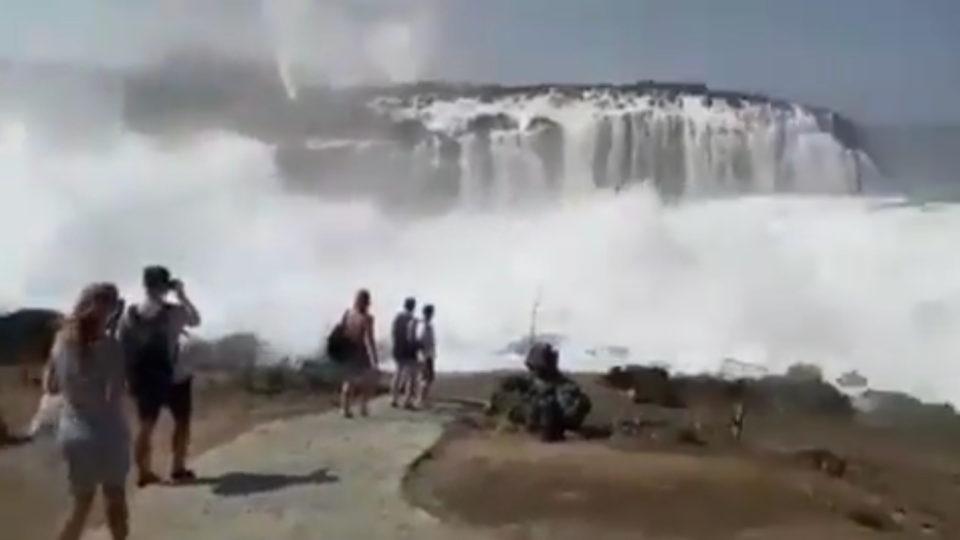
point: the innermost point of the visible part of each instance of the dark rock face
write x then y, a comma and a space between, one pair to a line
899, 408
655, 385
547, 140
644, 384
786, 394
492, 122
26, 336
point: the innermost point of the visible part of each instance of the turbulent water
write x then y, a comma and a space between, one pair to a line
829, 277
494, 146
688, 144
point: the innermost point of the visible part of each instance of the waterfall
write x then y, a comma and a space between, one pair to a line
501, 146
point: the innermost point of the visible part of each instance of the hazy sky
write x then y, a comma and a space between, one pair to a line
878, 60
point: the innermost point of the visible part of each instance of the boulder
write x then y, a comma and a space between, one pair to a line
644, 384
893, 408
543, 400
26, 336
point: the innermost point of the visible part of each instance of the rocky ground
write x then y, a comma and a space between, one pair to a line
320, 476
780, 481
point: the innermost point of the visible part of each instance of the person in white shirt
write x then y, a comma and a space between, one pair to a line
428, 353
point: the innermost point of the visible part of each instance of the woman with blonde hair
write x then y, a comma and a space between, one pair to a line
86, 368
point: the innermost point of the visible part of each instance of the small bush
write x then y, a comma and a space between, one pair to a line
805, 373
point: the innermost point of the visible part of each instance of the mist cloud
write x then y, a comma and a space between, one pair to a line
331, 41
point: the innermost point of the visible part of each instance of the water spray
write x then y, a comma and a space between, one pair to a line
533, 317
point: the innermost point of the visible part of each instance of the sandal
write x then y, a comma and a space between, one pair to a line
183, 475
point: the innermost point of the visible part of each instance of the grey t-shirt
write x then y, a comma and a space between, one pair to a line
92, 387
404, 336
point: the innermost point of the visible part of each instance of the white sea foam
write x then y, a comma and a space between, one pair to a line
845, 282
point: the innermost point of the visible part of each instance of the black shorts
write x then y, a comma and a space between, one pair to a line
176, 397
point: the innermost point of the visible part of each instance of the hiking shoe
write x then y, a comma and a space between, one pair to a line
183, 475
147, 479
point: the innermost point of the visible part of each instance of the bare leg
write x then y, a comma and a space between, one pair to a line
366, 386
142, 452
117, 513
181, 442
181, 407
80, 508
425, 376
346, 389
412, 379
424, 394
396, 385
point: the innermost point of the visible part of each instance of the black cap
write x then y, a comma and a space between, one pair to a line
156, 277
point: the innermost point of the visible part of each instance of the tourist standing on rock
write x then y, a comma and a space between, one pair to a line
86, 367
158, 379
360, 355
404, 333
427, 345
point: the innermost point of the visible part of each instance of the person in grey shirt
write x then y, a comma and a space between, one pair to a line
403, 332
86, 368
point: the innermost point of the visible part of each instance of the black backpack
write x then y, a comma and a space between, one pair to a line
338, 342
404, 333
149, 351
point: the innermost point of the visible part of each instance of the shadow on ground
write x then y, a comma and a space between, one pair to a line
241, 483
13, 440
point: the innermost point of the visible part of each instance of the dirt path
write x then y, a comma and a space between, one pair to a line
33, 487
318, 476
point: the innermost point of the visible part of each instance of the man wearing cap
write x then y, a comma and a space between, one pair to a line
158, 379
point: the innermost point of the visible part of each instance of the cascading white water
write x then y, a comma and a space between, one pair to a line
836, 281
690, 146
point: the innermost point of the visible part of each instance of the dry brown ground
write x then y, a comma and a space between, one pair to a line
900, 484
33, 493
519, 488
